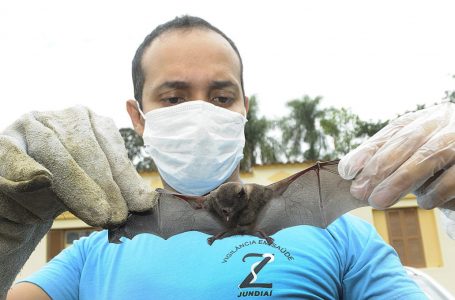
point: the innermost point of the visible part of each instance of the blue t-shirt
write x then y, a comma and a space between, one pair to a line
348, 260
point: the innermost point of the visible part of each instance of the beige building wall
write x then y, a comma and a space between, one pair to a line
439, 248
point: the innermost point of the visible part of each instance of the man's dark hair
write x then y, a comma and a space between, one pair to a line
184, 22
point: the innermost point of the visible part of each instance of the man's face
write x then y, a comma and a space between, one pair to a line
186, 65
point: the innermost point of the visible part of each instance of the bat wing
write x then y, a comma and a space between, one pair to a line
315, 196
170, 216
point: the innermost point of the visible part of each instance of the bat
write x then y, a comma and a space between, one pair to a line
314, 196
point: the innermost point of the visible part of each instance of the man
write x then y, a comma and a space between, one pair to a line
188, 82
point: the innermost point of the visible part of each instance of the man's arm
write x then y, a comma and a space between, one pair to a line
26, 291
60, 277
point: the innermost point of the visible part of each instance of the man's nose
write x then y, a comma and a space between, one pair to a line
200, 93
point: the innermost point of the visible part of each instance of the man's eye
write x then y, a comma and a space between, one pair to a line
173, 100
222, 100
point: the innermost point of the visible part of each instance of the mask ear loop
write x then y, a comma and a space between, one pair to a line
147, 153
140, 110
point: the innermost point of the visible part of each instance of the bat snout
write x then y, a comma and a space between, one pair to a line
227, 213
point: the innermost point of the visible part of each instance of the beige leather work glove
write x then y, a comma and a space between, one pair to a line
51, 162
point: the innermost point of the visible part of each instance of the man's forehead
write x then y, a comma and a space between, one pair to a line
189, 45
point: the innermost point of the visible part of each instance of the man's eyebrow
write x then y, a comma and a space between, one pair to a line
221, 84
174, 85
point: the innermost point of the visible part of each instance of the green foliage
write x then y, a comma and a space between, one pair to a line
135, 148
302, 126
340, 125
327, 133
450, 95
133, 142
258, 144
366, 129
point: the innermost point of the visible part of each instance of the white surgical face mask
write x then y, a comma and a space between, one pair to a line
195, 145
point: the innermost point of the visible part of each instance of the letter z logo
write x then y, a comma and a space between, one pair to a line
250, 279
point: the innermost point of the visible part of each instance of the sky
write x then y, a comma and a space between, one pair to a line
378, 58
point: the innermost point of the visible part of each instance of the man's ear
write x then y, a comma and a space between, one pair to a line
247, 104
135, 115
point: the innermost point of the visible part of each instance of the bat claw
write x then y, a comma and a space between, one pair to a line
210, 240
218, 236
263, 235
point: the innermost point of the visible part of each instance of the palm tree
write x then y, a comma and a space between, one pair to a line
341, 125
258, 144
302, 127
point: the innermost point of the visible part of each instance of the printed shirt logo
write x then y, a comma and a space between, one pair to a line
254, 284
250, 279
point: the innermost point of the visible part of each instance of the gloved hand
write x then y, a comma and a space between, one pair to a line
414, 153
56, 161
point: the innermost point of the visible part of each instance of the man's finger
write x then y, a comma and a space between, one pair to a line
22, 182
417, 170
18, 170
393, 154
74, 130
439, 192
78, 191
351, 164
138, 195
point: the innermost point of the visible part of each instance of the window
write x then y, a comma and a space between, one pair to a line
412, 231
59, 239
404, 235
